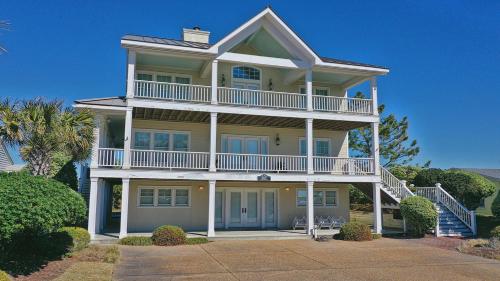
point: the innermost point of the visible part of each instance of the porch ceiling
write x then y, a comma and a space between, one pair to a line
241, 119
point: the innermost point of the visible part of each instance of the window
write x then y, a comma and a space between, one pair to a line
321, 147
161, 140
146, 197
324, 197
164, 197
144, 76
163, 77
246, 72
318, 91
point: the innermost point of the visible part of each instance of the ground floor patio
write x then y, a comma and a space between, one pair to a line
383, 259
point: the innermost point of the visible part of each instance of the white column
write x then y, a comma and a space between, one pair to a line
309, 90
310, 207
373, 90
131, 73
375, 148
377, 208
124, 207
94, 162
214, 81
211, 209
309, 145
94, 188
127, 138
213, 141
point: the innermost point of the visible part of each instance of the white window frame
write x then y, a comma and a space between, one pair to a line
156, 73
336, 190
227, 136
242, 80
169, 132
314, 88
314, 145
155, 196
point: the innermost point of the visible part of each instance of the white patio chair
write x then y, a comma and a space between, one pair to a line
328, 222
299, 222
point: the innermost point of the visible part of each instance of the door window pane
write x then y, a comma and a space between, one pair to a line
181, 142
161, 141
164, 78
145, 77
303, 147
331, 198
251, 207
318, 198
181, 197
235, 145
141, 140
301, 197
146, 197
252, 146
263, 146
182, 80
235, 207
321, 92
269, 204
322, 148
164, 197
218, 207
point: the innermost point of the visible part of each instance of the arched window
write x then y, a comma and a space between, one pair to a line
246, 72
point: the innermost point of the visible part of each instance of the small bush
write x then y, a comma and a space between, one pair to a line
136, 241
495, 233
355, 231
419, 213
376, 236
168, 235
495, 206
80, 238
196, 240
4, 276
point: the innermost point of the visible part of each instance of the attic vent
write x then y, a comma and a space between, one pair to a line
195, 35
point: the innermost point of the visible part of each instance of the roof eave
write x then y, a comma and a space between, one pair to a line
131, 44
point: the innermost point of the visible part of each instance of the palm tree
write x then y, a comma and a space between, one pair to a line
4, 25
41, 129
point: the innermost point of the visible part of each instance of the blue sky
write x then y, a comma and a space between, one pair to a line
444, 56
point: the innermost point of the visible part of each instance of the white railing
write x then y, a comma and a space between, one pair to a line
442, 197
341, 104
169, 159
394, 185
343, 166
261, 163
258, 98
427, 192
110, 157
172, 91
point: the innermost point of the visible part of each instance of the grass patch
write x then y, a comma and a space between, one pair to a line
485, 248
485, 225
91, 271
136, 241
196, 240
95, 253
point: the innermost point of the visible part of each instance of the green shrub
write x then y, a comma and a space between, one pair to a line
196, 240
34, 205
355, 231
63, 169
495, 206
136, 241
407, 173
429, 177
376, 236
468, 188
4, 276
168, 235
495, 233
80, 237
420, 214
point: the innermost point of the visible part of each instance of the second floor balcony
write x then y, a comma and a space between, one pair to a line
178, 92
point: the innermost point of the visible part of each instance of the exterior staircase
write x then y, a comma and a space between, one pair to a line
451, 225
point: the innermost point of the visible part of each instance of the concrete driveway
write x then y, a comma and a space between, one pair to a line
383, 259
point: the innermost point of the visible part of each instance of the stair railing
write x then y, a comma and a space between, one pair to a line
394, 185
459, 210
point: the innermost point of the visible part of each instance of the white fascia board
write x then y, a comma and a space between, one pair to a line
260, 60
158, 104
100, 107
350, 69
155, 46
167, 174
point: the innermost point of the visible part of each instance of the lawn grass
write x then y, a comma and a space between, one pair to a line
91, 271
367, 218
196, 240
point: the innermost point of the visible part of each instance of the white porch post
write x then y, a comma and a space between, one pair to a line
377, 208
124, 207
127, 138
373, 90
309, 145
213, 141
310, 207
309, 91
375, 148
211, 209
130, 73
94, 186
94, 163
214, 81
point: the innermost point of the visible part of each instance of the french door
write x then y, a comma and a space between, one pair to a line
245, 145
248, 207
247, 97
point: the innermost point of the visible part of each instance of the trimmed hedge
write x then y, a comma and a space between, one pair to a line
168, 235
355, 231
495, 232
4, 276
34, 206
420, 214
136, 241
80, 237
495, 206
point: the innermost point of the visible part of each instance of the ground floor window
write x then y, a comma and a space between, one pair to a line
164, 197
321, 197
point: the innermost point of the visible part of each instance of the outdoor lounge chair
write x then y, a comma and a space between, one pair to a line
299, 222
327, 222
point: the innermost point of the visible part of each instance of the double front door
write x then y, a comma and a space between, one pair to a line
246, 208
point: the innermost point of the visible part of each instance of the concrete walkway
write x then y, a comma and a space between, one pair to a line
383, 259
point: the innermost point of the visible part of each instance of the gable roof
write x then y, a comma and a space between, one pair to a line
213, 48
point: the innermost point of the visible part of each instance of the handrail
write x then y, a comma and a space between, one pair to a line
342, 104
394, 185
261, 98
456, 207
261, 162
343, 165
110, 157
172, 91
143, 158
